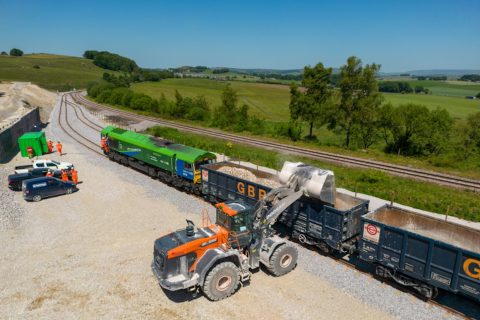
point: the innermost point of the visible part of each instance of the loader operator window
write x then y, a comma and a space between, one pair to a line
239, 223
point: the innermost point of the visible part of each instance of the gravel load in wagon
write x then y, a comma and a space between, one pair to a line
440, 230
345, 202
257, 176
342, 201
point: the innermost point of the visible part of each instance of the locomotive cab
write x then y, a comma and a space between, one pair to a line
235, 216
197, 165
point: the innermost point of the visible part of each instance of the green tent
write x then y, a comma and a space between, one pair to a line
36, 140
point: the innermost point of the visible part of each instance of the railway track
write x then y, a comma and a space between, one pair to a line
89, 123
96, 127
425, 175
87, 143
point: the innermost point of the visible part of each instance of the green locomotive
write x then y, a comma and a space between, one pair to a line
172, 163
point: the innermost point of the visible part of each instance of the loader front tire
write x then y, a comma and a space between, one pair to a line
222, 281
283, 260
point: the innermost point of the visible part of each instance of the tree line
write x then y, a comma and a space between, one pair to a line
470, 77
131, 72
110, 61
400, 87
14, 52
356, 110
228, 115
434, 78
350, 105
278, 76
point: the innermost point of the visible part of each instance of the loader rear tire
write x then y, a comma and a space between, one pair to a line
222, 281
283, 260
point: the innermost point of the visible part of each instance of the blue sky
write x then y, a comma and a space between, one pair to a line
399, 35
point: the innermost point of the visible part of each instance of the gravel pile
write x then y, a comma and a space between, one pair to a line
11, 212
249, 176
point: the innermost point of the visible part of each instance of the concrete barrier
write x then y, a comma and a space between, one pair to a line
9, 136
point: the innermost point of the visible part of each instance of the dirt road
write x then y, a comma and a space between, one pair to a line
88, 255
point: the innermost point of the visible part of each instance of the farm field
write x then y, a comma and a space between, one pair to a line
271, 101
452, 88
457, 107
267, 100
56, 72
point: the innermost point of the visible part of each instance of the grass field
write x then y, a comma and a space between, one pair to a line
271, 101
456, 106
449, 88
327, 140
267, 100
56, 72
423, 195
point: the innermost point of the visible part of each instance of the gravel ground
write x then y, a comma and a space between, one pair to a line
88, 255
11, 209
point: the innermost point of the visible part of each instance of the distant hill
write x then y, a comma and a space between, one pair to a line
50, 71
266, 71
443, 72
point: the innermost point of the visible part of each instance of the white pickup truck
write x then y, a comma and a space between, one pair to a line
44, 163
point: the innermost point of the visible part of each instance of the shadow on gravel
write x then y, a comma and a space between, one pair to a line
181, 295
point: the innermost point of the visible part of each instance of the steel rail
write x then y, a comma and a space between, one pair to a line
359, 162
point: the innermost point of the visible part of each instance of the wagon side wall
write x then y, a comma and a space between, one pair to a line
434, 262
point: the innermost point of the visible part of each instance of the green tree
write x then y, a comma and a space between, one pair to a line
200, 109
90, 54
178, 98
117, 96
226, 114
292, 129
369, 102
104, 96
312, 106
385, 122
414, 130
473, 122
478, 95
164, 105
16, 52
241, 123
127, 98
4, 53
359, 102
256, 125
462, 143
141, 102
438, 132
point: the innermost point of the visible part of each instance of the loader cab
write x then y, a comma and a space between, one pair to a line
236, 217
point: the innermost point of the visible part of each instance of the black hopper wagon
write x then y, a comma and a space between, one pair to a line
422, 251
330, 225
